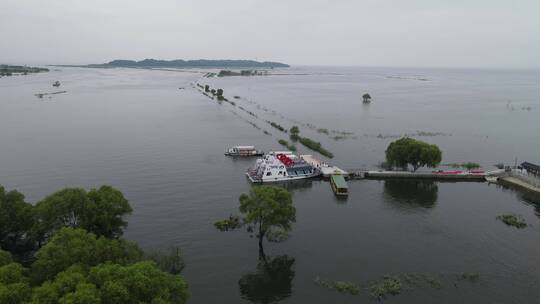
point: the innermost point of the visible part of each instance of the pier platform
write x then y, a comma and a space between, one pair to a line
420, 175
326, 169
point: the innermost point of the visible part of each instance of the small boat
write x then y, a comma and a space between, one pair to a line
339, 185
245, 151
280, 166
56, 84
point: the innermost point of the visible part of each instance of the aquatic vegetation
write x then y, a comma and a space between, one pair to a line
340, 286
236, 97
513, 220
285, 143
315, 146
388, 285
206, 88
499, 166
231, 223
470, 276
294, 130
277, 126
323, 131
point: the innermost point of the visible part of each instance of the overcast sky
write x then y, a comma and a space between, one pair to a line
424, 33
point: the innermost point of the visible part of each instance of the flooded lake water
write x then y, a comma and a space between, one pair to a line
155, 137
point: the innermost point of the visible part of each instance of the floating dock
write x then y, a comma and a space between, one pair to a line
326, 169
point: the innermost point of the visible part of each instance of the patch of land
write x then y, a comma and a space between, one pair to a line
180, 63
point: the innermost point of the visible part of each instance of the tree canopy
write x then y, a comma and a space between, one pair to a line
408, 151
268, 209
16, 218
110, 283
83, 259
71, 246
99, 211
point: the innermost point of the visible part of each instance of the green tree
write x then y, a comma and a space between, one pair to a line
99, 211
219, 92
269, 210
16, 219
14, 284
113, 284
408, 151
105, 211
206, 88
71, 246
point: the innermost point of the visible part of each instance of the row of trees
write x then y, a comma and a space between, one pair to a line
70, 250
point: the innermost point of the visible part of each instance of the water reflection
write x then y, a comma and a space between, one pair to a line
271, 282
528, 197
408, 193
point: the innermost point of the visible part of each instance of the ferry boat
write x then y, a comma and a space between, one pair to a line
243, 151
280, 166
339, 185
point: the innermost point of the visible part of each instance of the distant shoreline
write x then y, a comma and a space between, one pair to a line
179, 63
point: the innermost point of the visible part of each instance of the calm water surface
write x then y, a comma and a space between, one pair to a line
163, 147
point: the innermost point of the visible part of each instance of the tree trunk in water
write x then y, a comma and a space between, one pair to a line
262, 256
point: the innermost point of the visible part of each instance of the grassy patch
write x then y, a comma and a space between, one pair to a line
513, 220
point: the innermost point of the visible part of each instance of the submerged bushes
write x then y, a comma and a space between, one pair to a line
315, 146
513, 220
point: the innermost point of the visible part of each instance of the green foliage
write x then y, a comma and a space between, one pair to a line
315, 146
277, 126
142, 282
268, 208
16, 218
408, 151
5, 258
513, 220
340, 286
323, 131
219, 92
283, 142
388, 285
295, 130
233, 222
14, 284
71, 246
99, 211
206, 88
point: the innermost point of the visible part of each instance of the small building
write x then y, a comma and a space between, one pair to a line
531, 168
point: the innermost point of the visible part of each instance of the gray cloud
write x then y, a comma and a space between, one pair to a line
317, 32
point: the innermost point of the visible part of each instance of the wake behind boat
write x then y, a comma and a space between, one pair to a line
280, 166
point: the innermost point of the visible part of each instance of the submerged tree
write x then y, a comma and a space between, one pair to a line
367, 98
267, 211
16, 219
408, 151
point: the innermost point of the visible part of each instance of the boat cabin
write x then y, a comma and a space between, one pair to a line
243, 151
339, 185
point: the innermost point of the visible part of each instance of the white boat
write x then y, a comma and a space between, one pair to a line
280, 166
243, 151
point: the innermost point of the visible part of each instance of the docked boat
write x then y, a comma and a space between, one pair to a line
339, 185
279, 167
243, 151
